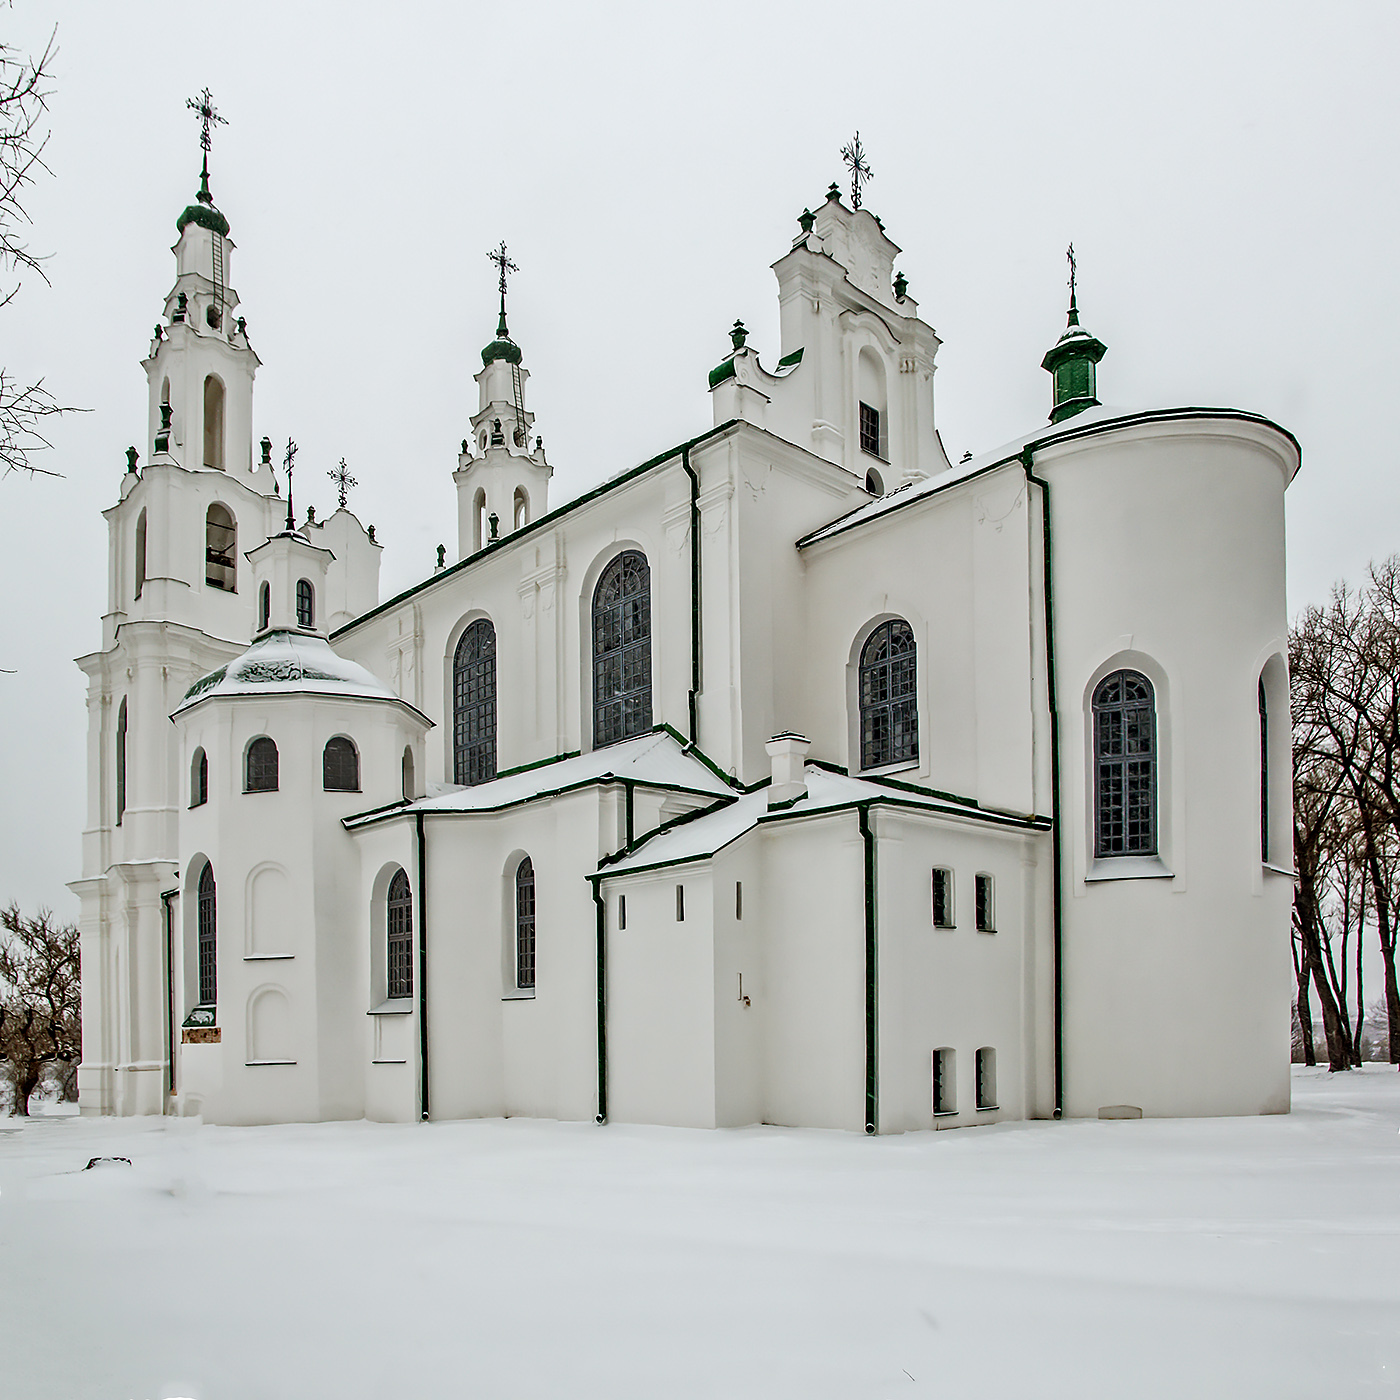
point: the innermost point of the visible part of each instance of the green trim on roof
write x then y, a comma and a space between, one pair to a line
794, 359
722, 371
205, 215
506, 350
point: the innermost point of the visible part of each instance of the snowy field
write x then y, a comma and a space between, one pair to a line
1218, 1257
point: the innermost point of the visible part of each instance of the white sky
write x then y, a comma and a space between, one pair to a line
1227, 174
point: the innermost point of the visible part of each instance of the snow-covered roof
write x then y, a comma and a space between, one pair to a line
1080, 424
289, 663
655, 760
696, 838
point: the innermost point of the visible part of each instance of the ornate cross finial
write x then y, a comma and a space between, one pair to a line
288, 462
504, 264
853, 153
343, 480
1073, 275
209, 118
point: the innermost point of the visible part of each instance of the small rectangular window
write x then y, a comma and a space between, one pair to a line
942, 898
986, 1077
944, 1082
870, 429
680, 904
622, 911
982, 888
738, 899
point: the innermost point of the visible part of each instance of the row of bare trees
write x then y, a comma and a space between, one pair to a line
41, 1020
1344, 660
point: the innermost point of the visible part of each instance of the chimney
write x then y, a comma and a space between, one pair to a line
789, 753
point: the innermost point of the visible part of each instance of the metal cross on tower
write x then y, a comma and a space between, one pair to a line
853, 153
504, 264
1073, 271
288, 462
209, 118
343, 480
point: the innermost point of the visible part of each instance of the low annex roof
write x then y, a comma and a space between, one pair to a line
699, 837
657, 760
1089, 423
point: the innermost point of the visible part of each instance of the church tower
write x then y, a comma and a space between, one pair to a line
502, 481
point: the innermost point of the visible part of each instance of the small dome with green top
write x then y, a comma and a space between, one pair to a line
502, 348
1072, 361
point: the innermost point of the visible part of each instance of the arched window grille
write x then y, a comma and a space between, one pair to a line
622, 650
306, 603
399, 925
261, 774
208, 981
264, 606
1125, 766
340, 766
525, 925
889, 712
1263, 773
474, 705
220, 549
121, 762
199, 779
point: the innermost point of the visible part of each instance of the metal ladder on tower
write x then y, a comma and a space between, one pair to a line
522, 434
215, 315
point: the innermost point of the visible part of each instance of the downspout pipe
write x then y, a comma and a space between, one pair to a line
694, 595
1056, 816
165, 897
422, 967
872, 1008
600, 905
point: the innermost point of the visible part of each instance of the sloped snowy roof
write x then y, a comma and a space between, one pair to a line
655, 760
695, 838
289, 663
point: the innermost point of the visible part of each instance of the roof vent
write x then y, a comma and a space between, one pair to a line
789, 754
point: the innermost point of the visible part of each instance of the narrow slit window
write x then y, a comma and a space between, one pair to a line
525, 925
986, 914
622, 911
738, 899
986, 1077
944, 1082
208, 936
942, 898
1263, 774
680, 904
121, 762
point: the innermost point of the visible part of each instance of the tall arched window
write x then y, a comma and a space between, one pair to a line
199, 779
889, 710
874, 425
214, 422
140, 552
340, 766
622, 650
264, 606
1263, 773
220, 549
260, 773
399, 924
522, 508
208, 980
525, 925
306, 603
121, 761
479, 519
1125, 766
474, 705
410, 786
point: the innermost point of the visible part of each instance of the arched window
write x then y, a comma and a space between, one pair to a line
522, 508
140, 552
121, 761
479, 519
474, 705
306, 603
340, 766
264, 606
874, 483
1263, 773
220, 549
214, 422
399, 924
1125, 766
208, 980
410, 786
261, 769
525, 925
622, 650
199, 779
889, 711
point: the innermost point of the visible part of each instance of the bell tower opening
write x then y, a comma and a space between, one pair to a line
214, 422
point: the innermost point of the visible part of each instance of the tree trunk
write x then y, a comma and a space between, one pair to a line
1305, 1018
1338, 1041
1392, 1000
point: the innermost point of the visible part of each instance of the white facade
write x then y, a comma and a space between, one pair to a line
765, 783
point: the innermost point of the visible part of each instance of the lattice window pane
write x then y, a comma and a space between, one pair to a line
622, 650
262, 766
340, 766
474, 705
525, 924
399, 924
888, 696
1125, 757
208, 913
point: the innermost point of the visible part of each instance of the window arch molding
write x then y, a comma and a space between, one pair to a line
261, 765
1167, 779
918, 631
188, 994
199, 778
651, 551
267, 913
510, 885
379, 929
398, 941
1275, 773
340, 764
455, 639
269, 1028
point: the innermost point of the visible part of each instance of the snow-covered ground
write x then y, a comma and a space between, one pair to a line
1218, 1257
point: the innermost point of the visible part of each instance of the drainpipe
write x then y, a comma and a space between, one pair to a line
422, 964
602, 910
1057, 895
872, 1083
165, 897
694, 593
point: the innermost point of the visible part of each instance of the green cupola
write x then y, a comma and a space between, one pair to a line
1072, 360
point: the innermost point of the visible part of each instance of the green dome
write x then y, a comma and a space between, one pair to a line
500, 349
205, 215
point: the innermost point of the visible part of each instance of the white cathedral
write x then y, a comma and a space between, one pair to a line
796, 775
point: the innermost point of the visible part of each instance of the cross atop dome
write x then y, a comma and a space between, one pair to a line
853, 153
209, 118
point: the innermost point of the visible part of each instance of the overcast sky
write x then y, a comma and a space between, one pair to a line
1227, 173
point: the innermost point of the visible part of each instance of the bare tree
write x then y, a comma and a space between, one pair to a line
24, 406
40, 1002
